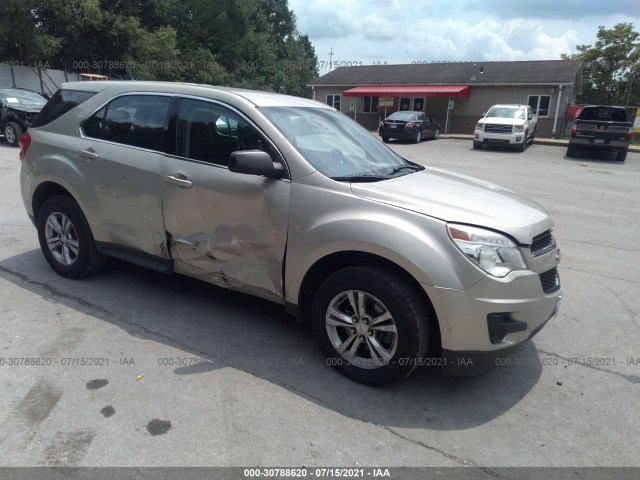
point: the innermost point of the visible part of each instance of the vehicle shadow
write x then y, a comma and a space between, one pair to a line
601, 156
230, 329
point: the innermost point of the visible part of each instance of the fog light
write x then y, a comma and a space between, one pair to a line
518, 139
476, 136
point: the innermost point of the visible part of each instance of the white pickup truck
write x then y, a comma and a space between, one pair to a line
510, 125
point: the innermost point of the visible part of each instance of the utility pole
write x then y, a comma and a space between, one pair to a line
331, 59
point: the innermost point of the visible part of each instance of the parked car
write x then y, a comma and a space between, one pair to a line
510, 125
18, 108
289, 200
601, 127
407, 124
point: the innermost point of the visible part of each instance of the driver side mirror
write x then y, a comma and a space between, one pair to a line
255, 162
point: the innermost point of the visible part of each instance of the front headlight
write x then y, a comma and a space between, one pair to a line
479, 126
518, 128
492, 252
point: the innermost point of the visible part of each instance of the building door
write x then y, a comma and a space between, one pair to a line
418, 104
405, 103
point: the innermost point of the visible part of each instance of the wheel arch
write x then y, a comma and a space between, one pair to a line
44, 192
333, 262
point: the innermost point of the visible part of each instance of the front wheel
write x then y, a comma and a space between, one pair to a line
66, 239
477, 145
12, 132
418, 137
385, 139
523, 146
370, 324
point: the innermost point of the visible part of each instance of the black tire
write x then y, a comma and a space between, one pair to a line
622, 155
523, 147
383, 292
385, 139
477, 145
571, 150
82, 256
436, 134
12, 132
533, 136
418, 137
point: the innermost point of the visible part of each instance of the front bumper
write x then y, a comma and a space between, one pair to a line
516, 138
490, 319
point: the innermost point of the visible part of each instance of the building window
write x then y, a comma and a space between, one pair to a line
404, 103
540, 104
370, 104
418, 104
334, 101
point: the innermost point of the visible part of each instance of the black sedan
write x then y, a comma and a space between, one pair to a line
407, 124
18, 108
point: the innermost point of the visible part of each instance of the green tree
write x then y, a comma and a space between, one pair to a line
611, 66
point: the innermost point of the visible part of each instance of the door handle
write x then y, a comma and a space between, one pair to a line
89, 154
180, 182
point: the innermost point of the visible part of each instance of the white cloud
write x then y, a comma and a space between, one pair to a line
469, 30
377, 28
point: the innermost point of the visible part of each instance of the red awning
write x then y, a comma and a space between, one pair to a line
409, 91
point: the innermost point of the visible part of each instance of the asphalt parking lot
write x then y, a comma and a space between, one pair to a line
141, 369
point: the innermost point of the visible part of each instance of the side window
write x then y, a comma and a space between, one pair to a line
136, 120
210, 132
61, 102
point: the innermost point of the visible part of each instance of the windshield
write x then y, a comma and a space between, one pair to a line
22, 97
332, 143
506, 112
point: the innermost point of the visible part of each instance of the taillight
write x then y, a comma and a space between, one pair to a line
24, 141
630, 133
410, 125
573, 130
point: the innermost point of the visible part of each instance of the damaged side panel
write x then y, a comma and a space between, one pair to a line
228, 229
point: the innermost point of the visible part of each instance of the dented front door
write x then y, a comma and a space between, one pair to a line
226, 228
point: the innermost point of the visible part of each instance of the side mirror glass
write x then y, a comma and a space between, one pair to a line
255, 162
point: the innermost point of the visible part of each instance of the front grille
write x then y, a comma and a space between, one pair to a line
495, 128
542, 244
550, 280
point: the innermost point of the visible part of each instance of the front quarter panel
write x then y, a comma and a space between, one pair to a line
327, 218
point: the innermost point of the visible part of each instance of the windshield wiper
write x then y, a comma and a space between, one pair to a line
360, 178
413, 168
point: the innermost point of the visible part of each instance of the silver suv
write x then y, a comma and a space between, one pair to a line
509, 125
395, 265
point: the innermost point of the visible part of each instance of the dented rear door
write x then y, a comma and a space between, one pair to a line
226, 228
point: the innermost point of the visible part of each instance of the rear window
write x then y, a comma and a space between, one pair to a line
603, 113
61, 102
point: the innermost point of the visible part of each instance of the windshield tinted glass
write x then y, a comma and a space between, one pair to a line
506, 112
333, 143
22, 97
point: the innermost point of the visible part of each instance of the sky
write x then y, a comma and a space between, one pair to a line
371, 32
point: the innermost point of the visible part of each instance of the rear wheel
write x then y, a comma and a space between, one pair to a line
385, 139
418, 137
622, 155
12, 132
370, 324
571, 150
436, 134
66, 239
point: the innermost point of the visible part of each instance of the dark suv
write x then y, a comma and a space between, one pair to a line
601, 127
18, 109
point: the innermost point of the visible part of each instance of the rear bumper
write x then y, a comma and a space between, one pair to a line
398, 132
595, 143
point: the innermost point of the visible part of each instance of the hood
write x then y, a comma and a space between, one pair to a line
458, 198
24, 109
503, 121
